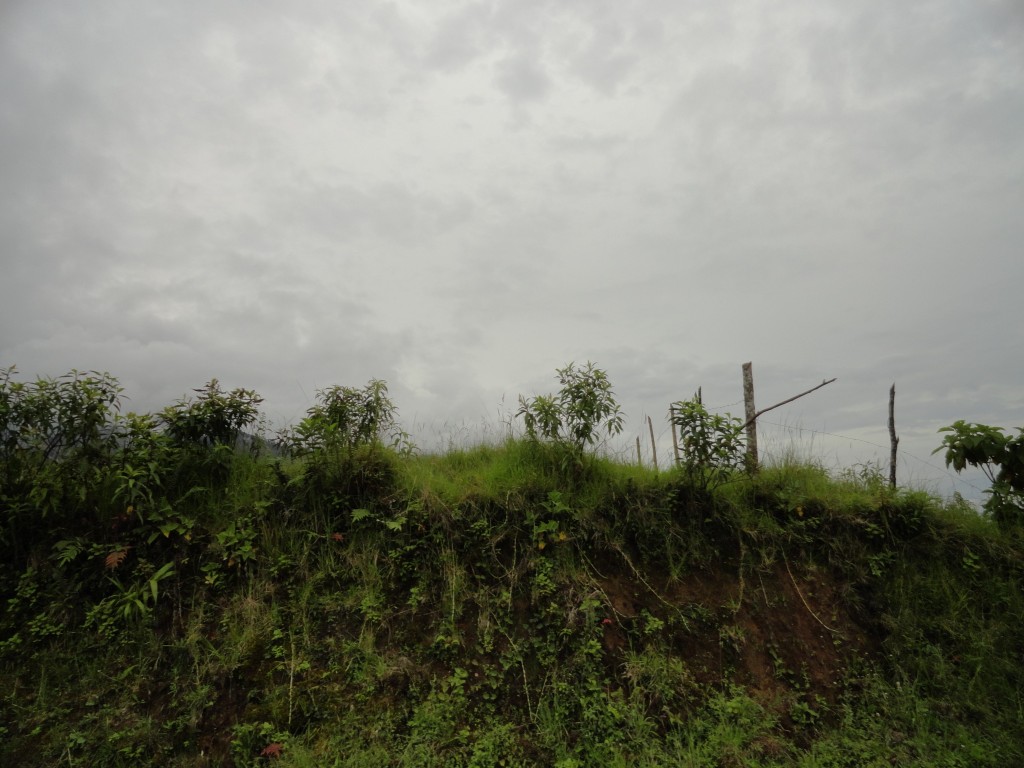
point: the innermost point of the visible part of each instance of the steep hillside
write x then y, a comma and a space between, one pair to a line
494, 606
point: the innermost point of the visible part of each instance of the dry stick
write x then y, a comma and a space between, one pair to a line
764, 591
592, 566
642, 579
751, 419
526, 684
654, 448
639, 458
291, 679
893, 440
607, 600
522, 665
800, 595
739, 600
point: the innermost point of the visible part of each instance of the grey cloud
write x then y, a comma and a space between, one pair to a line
287, 198
522, 78
591, 44
604, 52
342, 212
587, 142
459, 38
603, 71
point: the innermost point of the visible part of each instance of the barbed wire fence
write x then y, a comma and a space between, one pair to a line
796, 445
793, 445
782, 442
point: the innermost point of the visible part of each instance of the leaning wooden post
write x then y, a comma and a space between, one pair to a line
675, 437
748, 400
654, 448
893, 440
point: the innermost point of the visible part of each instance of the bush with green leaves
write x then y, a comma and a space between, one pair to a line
1000, 456
711, 445
80, 487
51, 418
575, 418
213, 418
347, 417
206, 432
58, 442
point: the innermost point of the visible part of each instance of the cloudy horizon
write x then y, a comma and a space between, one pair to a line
461, 197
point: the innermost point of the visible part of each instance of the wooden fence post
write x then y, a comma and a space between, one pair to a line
675, 437
893, 440
654, 448
748, 400
753, 413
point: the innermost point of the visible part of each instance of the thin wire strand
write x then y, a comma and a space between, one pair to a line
944, 470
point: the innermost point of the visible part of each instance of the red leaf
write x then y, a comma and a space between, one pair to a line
272, 750
115, 558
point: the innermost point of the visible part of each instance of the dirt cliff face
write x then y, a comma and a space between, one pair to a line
782, 635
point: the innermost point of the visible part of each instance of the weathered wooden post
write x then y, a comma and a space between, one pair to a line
675, 437
893, 440
654, 448
751, 412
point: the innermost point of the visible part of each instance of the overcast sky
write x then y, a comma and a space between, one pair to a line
459, 197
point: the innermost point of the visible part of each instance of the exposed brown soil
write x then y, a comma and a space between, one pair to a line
778, 631
782, 632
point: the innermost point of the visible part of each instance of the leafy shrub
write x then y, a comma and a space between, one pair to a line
347, 417
710, 445
339, 440
129, 602
213, 418
205, 433
68, 421
575, 417
1000, 457
138, 477
58, 441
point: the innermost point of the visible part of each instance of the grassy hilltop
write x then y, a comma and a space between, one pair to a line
171, 598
